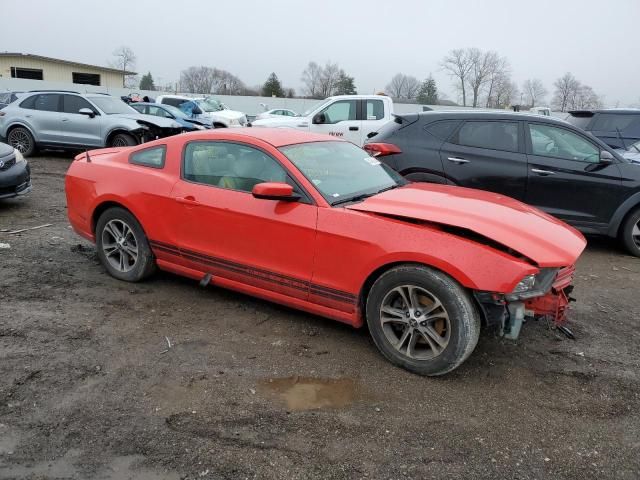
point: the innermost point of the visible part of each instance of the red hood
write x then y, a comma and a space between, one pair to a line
530, 232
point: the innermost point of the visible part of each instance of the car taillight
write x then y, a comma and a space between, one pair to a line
381, 149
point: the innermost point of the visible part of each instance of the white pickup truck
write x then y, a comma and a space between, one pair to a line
351, 117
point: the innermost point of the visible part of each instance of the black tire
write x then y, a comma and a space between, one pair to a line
122, 140
119, 261
630, 233
21, 139
456, 320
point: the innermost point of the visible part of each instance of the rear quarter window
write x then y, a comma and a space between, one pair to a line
149, 157
29, 103
442, 130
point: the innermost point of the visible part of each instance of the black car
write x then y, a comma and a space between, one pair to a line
618, 128
542, 161
15, 175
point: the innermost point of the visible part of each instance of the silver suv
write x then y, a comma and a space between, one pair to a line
70, 120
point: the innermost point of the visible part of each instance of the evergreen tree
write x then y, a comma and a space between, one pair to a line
345, 85
146, 82
272, 87
428, 94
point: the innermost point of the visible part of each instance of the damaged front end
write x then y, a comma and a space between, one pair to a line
544, 295
148, 131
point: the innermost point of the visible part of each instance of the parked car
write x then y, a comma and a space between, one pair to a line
9, 97
542, 161
187, 123
15, 175
352, 117
315, 223
618, 128
70, 120
208, 109
276, 112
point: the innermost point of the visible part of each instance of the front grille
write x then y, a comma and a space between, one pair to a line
7, 164
564, 277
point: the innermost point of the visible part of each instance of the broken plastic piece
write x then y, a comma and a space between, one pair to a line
205, 280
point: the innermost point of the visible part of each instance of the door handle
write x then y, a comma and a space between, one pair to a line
544, 173
458, 160
188, 200
353, 129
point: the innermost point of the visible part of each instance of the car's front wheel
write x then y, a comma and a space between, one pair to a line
122, 246
422, 320
21, 139
123, 140
630, 233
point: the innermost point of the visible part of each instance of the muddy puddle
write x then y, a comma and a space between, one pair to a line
304, 393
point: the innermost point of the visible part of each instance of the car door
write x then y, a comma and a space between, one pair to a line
79, 129
566, 177
488, 155
374, 116
226, 231
340, 119
46, 118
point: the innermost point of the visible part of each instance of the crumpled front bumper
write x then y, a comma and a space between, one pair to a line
510, 315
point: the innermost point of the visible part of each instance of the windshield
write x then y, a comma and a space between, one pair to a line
313, 107
176, 112
210, 104
111, 105
341, 171
635, 148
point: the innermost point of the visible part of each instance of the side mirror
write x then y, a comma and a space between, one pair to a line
275, 191
87, 111
606, 157
319, 119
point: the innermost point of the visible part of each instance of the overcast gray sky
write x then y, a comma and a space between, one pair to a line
372, 40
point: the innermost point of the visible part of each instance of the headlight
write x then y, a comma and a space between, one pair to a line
19, 157
526, 284
533, 285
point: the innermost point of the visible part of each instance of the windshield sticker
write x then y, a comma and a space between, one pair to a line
334, 195
371, 161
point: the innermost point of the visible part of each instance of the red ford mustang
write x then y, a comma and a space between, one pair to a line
315, 223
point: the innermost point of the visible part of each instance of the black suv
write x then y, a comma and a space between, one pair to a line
618, 128
542, 161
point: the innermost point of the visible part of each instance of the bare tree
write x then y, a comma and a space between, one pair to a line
198, 79
458, 64
403, 87
482, 65
125, 61
584, 98
534, 91
311, 77
225, 83
329, 77
499, 74
566, 87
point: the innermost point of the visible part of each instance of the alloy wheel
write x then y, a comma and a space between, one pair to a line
20, 140
119, 141
119, 245
415, 322
635, 234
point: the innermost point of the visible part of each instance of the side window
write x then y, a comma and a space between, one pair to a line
230, 165
375, 110
158, 112
29, 102
339, 111
491, 135
612, 122
48, 102
72, 104
549, 141
149, 157
442, 130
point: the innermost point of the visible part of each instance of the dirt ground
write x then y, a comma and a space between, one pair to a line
89, 388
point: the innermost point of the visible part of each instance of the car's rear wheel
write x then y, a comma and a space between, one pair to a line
122, 246
630, 233
123, 140
21, 139
422, 320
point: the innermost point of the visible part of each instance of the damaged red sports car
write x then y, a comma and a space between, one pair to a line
315, 223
